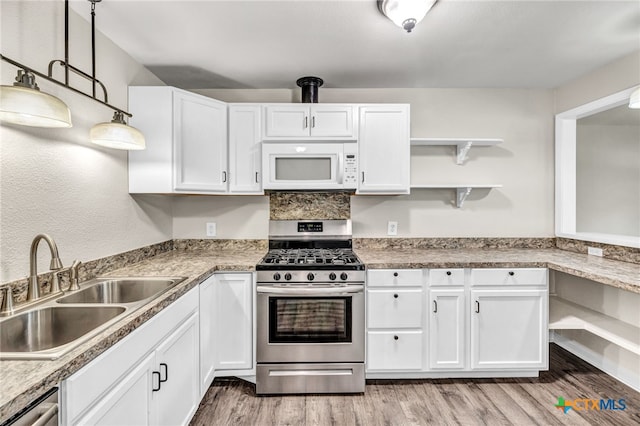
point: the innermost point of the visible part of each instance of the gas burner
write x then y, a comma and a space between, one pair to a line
310, 257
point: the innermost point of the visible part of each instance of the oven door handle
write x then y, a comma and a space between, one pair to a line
322, 291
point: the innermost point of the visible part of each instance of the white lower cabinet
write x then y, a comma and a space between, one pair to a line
509, 329
148, 378
473, 323
447, 338
208, 342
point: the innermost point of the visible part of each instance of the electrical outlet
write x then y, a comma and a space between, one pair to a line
392, 228
211, 229
594, 251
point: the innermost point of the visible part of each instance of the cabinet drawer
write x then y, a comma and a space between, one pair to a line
394, 350
446, 277
509, 276
394, 277
394, 308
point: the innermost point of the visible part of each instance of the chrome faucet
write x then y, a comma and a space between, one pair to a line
33, 289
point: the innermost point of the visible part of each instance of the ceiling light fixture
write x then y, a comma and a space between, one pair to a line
24, 104
405, 13
634, 99
117, 134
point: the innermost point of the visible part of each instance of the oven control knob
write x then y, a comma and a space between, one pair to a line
276, 276
332, 276
310, 276
343, 276
287, 276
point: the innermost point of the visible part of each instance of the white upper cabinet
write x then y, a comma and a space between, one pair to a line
186, 137
384, 149
200, 143
309, 121
245, 162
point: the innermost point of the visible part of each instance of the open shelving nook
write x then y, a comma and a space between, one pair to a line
565, 315
463, 145
462, 191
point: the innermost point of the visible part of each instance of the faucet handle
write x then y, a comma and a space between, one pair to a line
7, 302
55, 282
73, 276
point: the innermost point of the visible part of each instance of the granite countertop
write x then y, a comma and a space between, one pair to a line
23, 381
615, 273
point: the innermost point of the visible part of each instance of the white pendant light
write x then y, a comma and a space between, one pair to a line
117, 134
24, 104
405, 13
634, 99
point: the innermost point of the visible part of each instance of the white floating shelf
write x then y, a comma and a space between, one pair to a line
565, 315
462, 191
462, 145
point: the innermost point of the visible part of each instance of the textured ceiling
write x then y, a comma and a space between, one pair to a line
269, 44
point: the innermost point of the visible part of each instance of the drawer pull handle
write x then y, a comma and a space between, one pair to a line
153, 388
166, 372
395, 296
512, 273
395, 274
435, 306
477, 307
395, 337
449, 273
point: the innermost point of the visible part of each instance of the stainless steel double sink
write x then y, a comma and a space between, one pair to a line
55, 327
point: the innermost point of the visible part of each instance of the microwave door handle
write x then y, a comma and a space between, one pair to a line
323, 291
340, 177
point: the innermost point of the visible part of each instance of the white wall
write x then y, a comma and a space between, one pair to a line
54, 180
523, 164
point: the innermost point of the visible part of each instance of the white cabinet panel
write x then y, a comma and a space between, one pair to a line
394, 350
394, 277
286, 121
129, 403
177, 362
447, 337
245, 161
509, 329
234, 305
309, 121
332, 121
200, 143
446, 277
509, 276
394, 308
208, 345
384, 149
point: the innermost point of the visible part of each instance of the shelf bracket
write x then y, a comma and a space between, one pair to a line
461, 195
462, 151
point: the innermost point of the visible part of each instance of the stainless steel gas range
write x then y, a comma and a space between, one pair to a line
310, 325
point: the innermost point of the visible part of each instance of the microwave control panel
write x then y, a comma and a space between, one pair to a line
350, 167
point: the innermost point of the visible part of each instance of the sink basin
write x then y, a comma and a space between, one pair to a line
52, 327
121, 290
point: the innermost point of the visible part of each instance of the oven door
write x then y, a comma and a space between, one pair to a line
302, 166
323, 324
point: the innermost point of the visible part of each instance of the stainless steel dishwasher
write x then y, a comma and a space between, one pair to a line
41, 412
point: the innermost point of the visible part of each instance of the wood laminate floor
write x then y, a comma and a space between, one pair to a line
433, 402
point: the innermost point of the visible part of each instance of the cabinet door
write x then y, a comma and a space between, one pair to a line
287, 121
177, 365
245, 160
394, 308
332, 121
234, 305
447, 329
129, 403
509, 329
394, 350
207, 333
200, 143
384, 149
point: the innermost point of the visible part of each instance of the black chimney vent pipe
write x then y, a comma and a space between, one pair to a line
310, 87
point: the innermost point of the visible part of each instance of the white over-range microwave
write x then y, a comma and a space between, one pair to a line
309, 165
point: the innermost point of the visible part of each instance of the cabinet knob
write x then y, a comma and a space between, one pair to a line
448, 272
395, 337
512, 273
395, 296
395, 274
